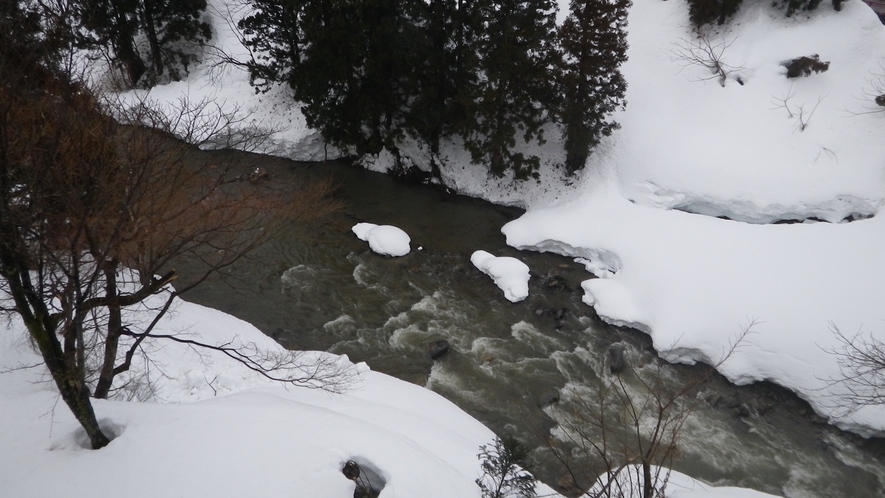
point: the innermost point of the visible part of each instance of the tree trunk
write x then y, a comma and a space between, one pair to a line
123, 41
67, 376
156, 53
115, 328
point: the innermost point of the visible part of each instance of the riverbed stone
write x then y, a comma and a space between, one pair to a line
616, 361
438, 349
548, 398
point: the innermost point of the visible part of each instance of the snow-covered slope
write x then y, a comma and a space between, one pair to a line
694, 281
261, 439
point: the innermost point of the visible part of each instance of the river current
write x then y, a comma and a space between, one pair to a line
508, 364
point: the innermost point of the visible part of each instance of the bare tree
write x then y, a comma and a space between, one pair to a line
702, 51
795, 111
93, 213
873, 97
861, 360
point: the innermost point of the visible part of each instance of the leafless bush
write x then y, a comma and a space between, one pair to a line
708, 54
207, 123
93, 212
873, 96
795, 111
861, 360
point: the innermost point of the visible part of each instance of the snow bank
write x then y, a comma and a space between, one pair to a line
386, 240
261, 439
510, 274
690, 151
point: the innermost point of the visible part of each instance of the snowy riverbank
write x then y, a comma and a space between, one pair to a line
646, 210
645, 214
214, 428
691, 151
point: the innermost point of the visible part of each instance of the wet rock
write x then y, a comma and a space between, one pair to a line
817, 419
743, 410
548, 398
616, 361
438, 349
560, 313
557, 283
351, 470
713, 399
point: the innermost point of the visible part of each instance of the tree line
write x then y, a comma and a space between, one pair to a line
371, 73
490, 72
148, 41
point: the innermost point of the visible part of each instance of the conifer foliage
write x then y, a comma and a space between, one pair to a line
594, 44
169, 30
513, 98
372, 73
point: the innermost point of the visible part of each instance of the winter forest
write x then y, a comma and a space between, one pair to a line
619, 249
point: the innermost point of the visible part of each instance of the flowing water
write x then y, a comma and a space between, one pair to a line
323, 288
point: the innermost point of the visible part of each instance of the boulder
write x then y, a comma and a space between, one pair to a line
438, 349
616, 361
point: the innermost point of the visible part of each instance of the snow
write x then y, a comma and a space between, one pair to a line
233, 436
240, 434
510, 274
385, 240
644, 216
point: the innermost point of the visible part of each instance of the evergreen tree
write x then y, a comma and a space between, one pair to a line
701, 12
353, 74
445, 66
514, 89
273, 33
594, 44
168, 26
793, 6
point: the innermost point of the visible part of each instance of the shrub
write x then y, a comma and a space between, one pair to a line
805, 65
501, 475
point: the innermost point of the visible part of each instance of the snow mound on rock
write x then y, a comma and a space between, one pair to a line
386, 240
510, 274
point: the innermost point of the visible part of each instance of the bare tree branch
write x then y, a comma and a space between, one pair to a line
287, 367
703, 52
861, 360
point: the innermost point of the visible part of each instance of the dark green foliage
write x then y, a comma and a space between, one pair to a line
354, 73
273, 33
349, 61
793, 6
170, 27
444, 67
502, 476
513, 98
804, 66
701, 12
594, 43
373, 72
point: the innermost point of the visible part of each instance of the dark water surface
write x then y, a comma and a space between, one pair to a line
322, 288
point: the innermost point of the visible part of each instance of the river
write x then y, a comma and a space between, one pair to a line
322, 288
